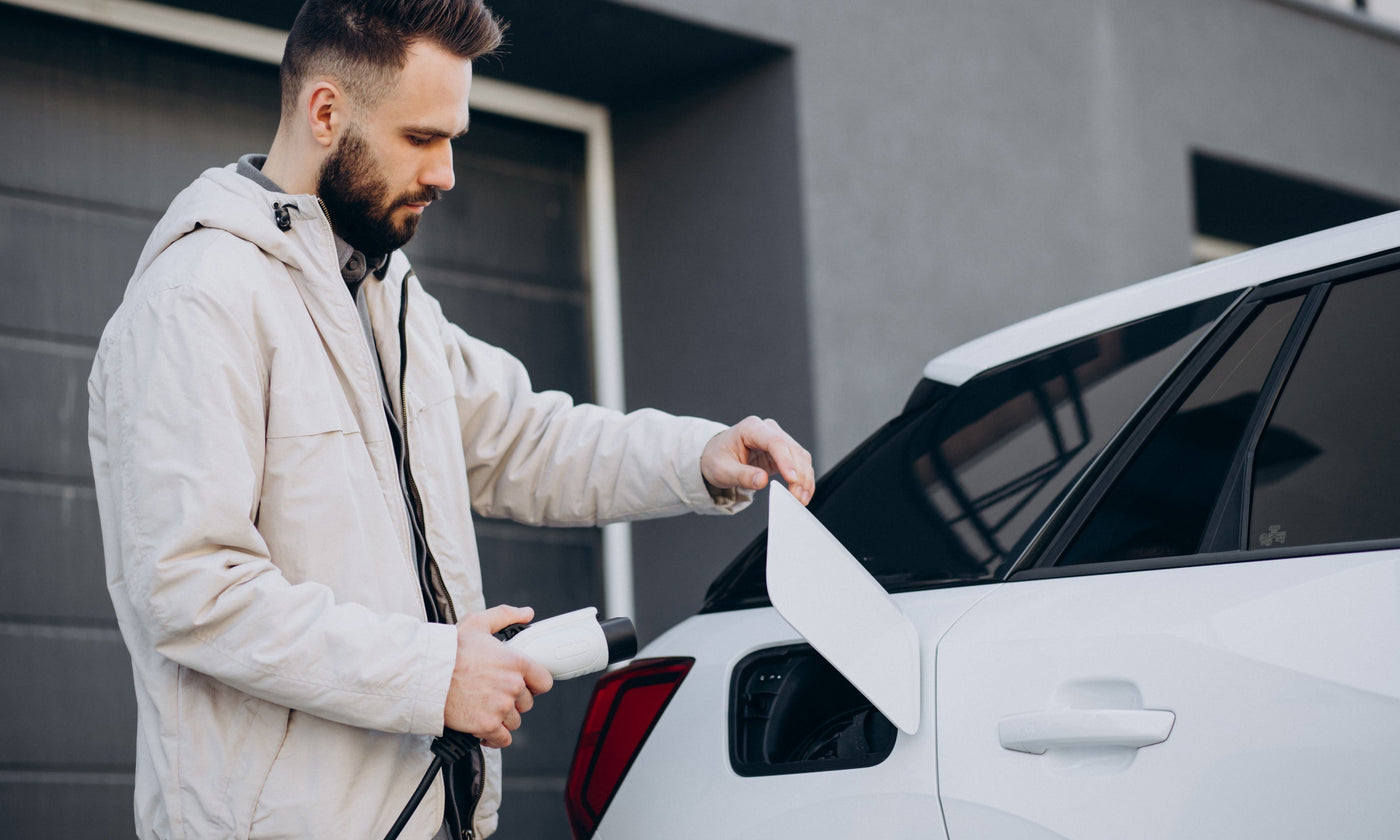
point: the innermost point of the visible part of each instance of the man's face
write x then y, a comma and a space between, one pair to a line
395, 160
357, 196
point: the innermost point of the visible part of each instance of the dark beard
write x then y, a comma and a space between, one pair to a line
357, 199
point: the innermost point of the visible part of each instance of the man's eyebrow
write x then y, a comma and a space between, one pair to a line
430, 131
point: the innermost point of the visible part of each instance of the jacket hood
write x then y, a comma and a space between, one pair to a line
222, 199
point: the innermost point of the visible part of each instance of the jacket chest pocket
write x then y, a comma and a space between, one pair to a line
301, 411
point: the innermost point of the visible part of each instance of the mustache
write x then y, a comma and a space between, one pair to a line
423, 196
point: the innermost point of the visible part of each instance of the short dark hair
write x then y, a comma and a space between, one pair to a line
363, 44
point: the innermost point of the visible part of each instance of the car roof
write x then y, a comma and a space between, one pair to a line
1122, 306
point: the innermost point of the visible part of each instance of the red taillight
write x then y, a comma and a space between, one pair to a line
626, 704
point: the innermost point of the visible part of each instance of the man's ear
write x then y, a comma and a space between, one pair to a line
325, 112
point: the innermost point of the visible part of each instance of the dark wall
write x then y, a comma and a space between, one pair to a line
714, 303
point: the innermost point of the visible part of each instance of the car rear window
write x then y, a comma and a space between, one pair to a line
1327, 464
952, 491
1162, 503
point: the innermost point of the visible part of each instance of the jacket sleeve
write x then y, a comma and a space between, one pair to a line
538, 458
178, 440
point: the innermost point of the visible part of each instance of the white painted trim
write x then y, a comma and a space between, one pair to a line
261, 43
196, 29
1206, 248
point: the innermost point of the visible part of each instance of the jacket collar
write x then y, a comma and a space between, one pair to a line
294, 230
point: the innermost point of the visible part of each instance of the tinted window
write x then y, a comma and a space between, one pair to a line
1328, 466
1161, 504
953, 491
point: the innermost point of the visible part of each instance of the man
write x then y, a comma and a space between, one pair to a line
288, 439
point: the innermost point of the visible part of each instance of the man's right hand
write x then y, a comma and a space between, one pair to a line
492, 685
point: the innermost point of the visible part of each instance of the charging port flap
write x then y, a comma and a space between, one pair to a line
828, 597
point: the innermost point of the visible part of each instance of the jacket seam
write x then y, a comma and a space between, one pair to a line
257, 800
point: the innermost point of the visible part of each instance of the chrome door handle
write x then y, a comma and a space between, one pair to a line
1036, 732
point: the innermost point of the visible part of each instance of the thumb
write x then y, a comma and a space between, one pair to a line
502, 616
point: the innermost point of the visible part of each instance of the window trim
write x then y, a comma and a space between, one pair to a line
1045, 537
1233, 499
1067, 521
1214, 558
1065, 524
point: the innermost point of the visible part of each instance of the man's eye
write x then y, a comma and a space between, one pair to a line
417, 140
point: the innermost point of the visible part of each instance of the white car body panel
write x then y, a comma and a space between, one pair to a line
1281, 674
684, 769
1125, 305
1211, 700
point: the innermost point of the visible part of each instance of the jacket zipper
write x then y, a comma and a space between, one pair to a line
478, 789
478, 770
435, 572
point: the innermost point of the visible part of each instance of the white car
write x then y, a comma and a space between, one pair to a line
1145, 551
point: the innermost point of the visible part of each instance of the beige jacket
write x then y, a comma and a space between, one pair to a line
257, 543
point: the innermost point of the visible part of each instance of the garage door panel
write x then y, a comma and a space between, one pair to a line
51, 554
550, 571
496, 140
546, 332
46, 419
117, 119
81, 716
69, 265
74, 806
508, 220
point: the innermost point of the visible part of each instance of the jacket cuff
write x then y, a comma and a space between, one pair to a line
699, 495
435, 661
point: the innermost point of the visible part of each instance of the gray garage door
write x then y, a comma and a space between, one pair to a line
98, 130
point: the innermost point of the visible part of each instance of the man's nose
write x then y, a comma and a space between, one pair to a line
438, 172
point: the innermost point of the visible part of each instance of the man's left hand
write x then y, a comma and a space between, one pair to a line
747, 453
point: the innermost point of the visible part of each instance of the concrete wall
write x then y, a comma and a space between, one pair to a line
967, 164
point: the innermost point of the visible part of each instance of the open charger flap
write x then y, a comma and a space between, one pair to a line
842, 611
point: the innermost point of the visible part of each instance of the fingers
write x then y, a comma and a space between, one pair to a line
498, 738
538, 680
500, 617
492, 684
745, 454
791, 461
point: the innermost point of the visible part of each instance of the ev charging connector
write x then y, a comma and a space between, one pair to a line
570, 645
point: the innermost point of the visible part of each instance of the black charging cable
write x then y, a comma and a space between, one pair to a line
616, 636
449, 748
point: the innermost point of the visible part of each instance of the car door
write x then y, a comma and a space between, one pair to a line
1209, 644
